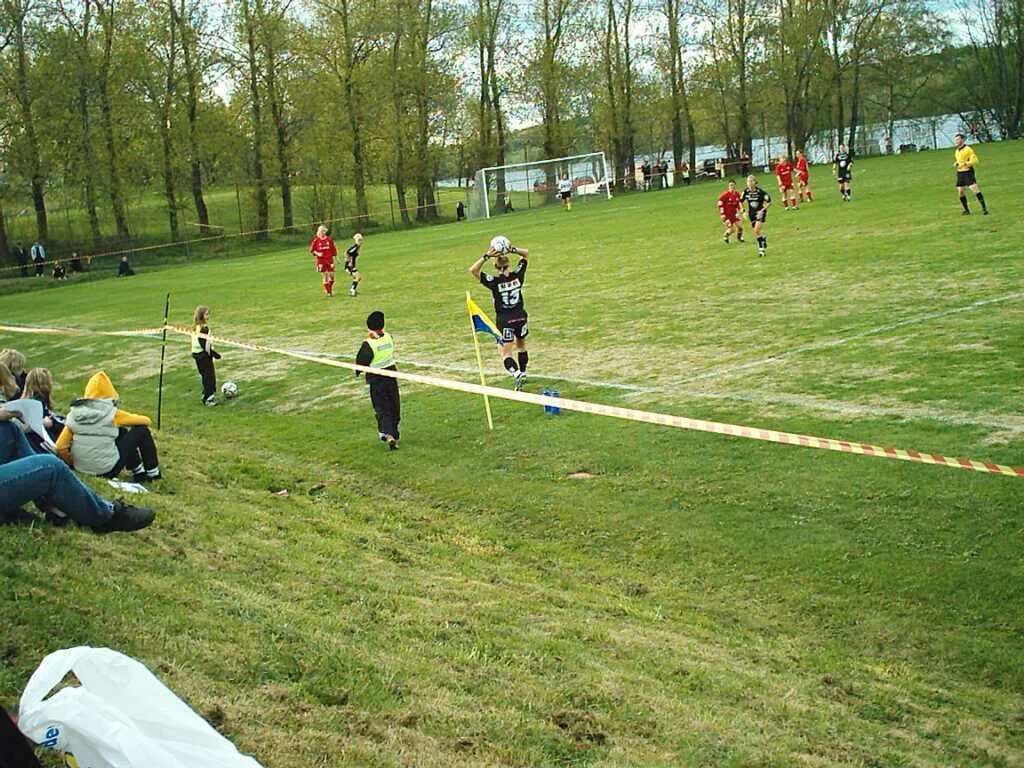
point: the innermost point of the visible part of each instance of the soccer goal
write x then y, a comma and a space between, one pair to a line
507, 188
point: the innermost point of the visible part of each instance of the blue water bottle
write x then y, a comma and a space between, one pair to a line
554, 410
547, 408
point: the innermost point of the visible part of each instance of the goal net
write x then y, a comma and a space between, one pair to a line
521, 186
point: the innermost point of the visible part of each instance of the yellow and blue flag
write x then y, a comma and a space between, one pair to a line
481, 322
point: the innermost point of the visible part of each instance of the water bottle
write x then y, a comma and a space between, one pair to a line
554, 410
547, 408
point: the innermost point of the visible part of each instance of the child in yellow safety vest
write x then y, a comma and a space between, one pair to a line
378, 351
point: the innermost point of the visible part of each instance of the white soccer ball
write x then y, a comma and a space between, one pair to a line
229, 389
500, 244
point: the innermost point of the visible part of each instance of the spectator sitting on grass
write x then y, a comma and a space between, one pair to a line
59, 273
43, 478
124, 269
39, 386
101, 439
16, 364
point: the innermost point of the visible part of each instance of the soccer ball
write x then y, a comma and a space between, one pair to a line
500, 244
229, 389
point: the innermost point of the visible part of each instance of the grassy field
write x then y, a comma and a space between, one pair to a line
470, 600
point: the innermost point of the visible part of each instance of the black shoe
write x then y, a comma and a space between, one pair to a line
392, 443
965, 213
145, 477
985, 211
17, 516
126, 517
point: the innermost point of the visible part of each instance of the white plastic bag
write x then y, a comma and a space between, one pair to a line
120, 716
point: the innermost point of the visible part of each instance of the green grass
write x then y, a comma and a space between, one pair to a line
700, 600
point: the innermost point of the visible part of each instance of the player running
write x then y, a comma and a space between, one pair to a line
565, 191
964, 161
803, 177
729, 212
758, 201
842, 167
351, 254
507, 289
784, 173
323, 251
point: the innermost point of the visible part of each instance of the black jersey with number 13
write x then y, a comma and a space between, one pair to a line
507, 291
755, 200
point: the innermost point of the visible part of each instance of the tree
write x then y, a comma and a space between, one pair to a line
796, 43
18, 82
252, 78
995, 30
108, 13
673, 11
190, 24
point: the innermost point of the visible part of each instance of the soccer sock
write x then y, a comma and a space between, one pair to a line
981, 199
810, 197
524, 358
963, 202
354, 284
511, 367
139, 470
785, 203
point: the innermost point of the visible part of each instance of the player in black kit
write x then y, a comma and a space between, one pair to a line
507, 289
351, 254
842, 165
758, 202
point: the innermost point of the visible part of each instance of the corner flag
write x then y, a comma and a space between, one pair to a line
481, 322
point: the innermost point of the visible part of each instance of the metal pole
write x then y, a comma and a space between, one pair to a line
163, 350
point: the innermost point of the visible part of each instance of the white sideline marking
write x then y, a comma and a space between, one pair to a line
829, 343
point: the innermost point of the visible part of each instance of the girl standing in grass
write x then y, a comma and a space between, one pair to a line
204, 354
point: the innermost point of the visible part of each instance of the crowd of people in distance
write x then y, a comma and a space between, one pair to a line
35, 259
95, 437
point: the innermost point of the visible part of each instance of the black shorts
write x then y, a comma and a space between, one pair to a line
844, 176
513, 327
350, 268
965, 178
565, 195
754, 219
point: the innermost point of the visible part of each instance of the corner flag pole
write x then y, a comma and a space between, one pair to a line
480, 365
163, 350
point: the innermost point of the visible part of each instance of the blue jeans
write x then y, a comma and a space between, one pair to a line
44, 478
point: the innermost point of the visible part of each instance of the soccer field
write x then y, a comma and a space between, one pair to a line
572, 589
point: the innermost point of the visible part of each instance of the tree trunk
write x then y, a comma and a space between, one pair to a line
107, 16
193, 83
398, 115
427, 209
88, 163
671, 10
255, 109
167, 108
281, 135
25, 99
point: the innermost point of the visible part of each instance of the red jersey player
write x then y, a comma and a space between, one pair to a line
324, 251
729, 212
803, 176
784, 173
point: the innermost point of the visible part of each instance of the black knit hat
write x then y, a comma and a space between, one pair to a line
375, 322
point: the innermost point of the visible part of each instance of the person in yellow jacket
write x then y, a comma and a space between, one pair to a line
964, 160
101, 439
378, 351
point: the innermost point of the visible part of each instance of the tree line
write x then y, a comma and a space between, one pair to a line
102, 99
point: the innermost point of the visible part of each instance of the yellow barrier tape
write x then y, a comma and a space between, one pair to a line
569, 404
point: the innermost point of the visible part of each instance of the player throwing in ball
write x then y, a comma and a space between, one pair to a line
758, 201
784, 173
729, 212
964, 160
803, 177
351, 254
323, 251
507, 289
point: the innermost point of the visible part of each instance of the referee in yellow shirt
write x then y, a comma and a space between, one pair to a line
965, 160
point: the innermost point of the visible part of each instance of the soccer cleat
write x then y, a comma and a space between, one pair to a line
392, 443
126, 517
520, 379
985, 212
739, 239
351, 291
210, 401
725, 240
760, 251
965, 213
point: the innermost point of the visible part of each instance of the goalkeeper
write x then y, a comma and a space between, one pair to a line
507, 289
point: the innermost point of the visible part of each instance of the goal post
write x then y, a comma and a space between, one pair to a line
506, 188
